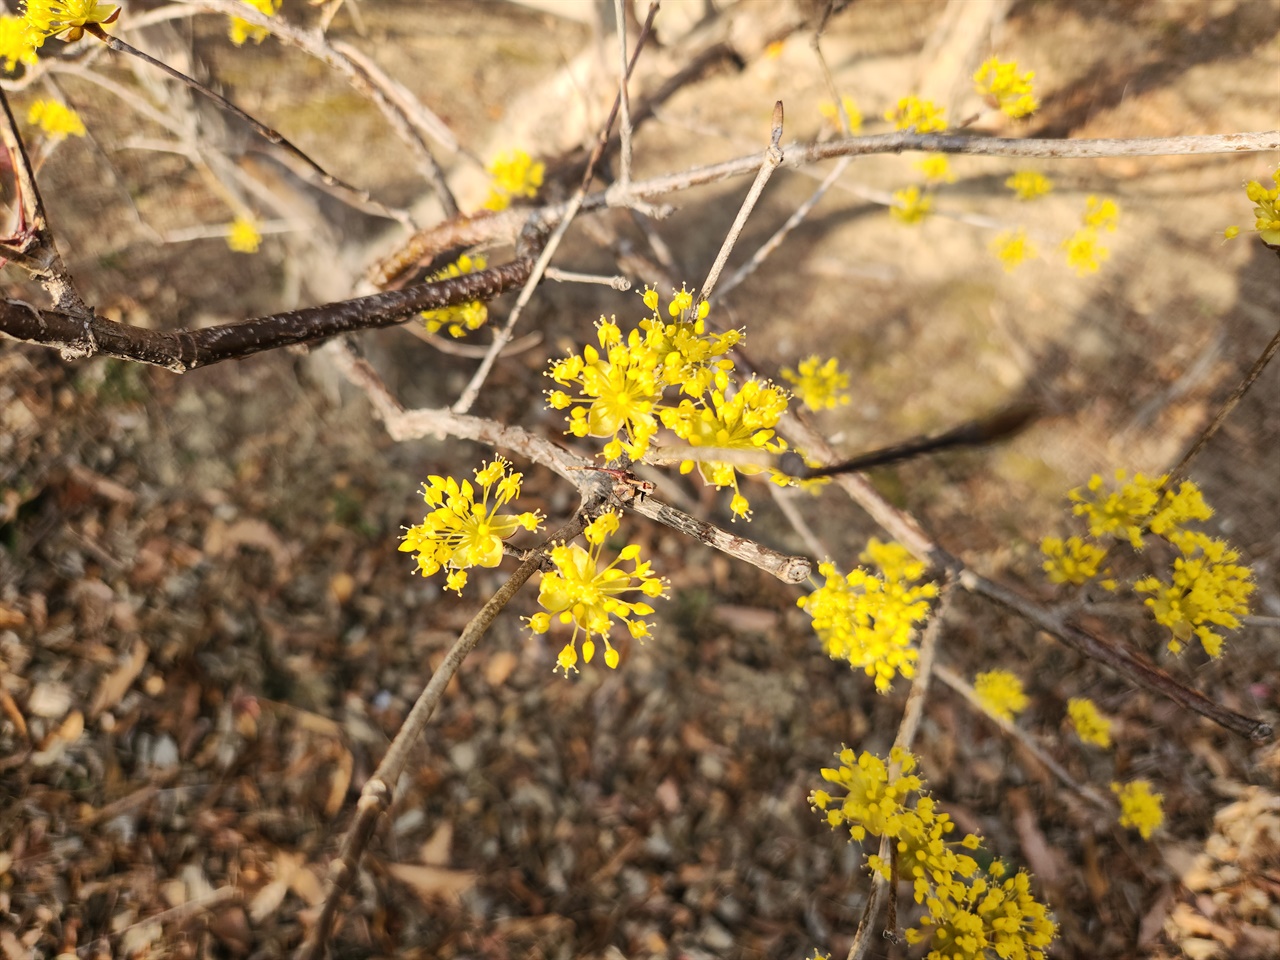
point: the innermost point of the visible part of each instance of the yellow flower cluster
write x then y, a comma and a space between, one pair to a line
1012, 247
244, 236
1089, 722
820, 386
936, 168
49, 18
620, 393
1000, 693
16, 45
910, 205
1266, 210
832, 115
1009, 90
970, 913
1206, 586
1028, 184
515, 174
578, 591
1139, 807
462, 532
1084, 251
242, 30
56, 120
869, 620
924, 116
461, 317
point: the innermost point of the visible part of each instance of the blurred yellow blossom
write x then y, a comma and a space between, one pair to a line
910, 205
936, 168
1000, 693
1012, 247
832, 115
1071, 560
244, 236
1084, 253
461, 317
1006, 88
924, 115
1090, 724
1101, 214
15, 42
1139, 807
819, 385
515, 174
55, 120
1266, 210
242, 30
1028, 184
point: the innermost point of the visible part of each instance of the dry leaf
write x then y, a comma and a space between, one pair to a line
431, 883
499, 667
117, 683
435, 852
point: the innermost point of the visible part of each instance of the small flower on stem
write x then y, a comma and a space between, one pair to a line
48, 18
1028, 184
924, 116
244, 236
242, 30
1139, 807
910, 205
1000, 693
1012, 247
55, 120
460, 318
1009, 90
1089, 722
820, 386
515, 174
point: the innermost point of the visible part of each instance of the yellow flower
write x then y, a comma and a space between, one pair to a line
1139, 807
515, 174
1010, 91
15, 42
1084, 253
924, 115
462, 532
581, 593
1000, 693
1266, 210
910, 206
870, 620
1207, 588
56, 120
48, 18
1230, 233
993, 916
1072, 560
820, 386
244, 236
1028, 184
1101, 214
242, 30
936, 168
1090, 724
460, 317
1012, 247
831, 114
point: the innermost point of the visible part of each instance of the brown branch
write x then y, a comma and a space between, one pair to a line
184, 350
376, 795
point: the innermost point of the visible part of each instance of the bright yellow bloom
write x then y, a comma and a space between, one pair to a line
1072, 560
581, 593
242, 30
995, 916
870, 620
462, 532
1266, 209
1137, 507
244, 236
820, 386
515, 174
1139, 807
1000, 693
1010, 91
15, 42
936, 168
48, 18
743, 421
55, 120
461, 317
924, 115
910, 206
1084, 253
1207, 587
830, 113
1012, 247
1230, 233
1028, 184
1101, 214
1090, 724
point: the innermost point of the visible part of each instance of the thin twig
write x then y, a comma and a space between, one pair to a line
1224, 411
376, 795
624, 116
772, 158
958, 684
503, 335
619, 283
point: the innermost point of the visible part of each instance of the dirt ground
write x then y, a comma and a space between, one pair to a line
208, 636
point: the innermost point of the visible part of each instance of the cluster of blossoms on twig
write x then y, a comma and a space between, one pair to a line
51, 18
514, 174
460, 318
1140, 808
970, 912
819, 385
580, 592
621, 393
1203, 589
869, 619
1266, 210
463, 532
